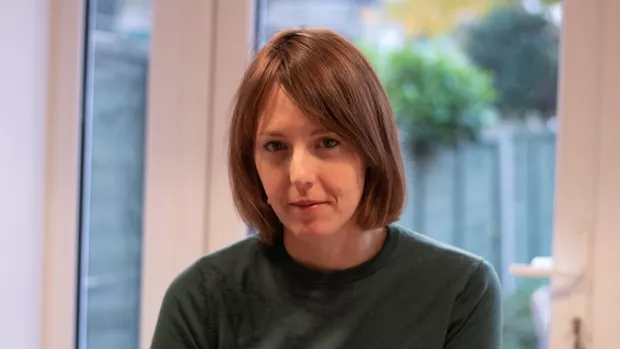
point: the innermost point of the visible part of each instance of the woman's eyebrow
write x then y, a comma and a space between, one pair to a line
278, 133
271, 133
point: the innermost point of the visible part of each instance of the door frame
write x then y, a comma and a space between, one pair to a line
585, 237
62, 173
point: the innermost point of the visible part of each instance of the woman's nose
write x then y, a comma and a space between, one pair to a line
301, 170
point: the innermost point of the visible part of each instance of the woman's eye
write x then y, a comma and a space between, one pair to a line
329, 143
274, 146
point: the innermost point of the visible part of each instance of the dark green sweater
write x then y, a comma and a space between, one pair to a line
415, 293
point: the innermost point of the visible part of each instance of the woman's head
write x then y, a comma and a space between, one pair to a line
313, 142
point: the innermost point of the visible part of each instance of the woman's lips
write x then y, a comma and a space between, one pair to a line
307, 205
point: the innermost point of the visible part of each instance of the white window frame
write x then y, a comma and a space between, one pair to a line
587, 216
199, 51
195, 67
62, 173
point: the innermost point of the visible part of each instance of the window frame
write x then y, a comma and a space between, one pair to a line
198, 55
583, 286
62, 173
188, 210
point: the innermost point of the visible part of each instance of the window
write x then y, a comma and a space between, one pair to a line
474, 88
114, 124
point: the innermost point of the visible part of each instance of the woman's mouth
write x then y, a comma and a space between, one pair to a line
306, 205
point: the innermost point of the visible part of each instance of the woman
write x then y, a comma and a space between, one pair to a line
316, 170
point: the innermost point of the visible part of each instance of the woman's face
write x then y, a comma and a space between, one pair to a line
312, 177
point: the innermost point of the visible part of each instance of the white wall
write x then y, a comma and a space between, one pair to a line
23, 60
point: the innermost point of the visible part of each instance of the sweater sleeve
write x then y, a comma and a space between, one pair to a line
183, 320
476, 317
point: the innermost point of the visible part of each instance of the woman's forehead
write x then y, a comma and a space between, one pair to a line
281, 113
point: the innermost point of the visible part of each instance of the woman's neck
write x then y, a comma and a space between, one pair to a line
340, 251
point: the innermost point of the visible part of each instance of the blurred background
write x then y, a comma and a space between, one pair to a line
473, 83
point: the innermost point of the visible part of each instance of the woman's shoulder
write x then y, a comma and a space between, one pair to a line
214, 272
422, 254
190, 300
451, 276
428, 249
218, 266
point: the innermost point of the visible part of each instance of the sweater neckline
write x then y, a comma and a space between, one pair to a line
308, 277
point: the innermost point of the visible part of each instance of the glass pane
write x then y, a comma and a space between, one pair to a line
113, 171
474, 87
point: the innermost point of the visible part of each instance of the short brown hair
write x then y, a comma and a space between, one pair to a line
329, 79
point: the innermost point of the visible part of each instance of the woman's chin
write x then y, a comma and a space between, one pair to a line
312, 230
